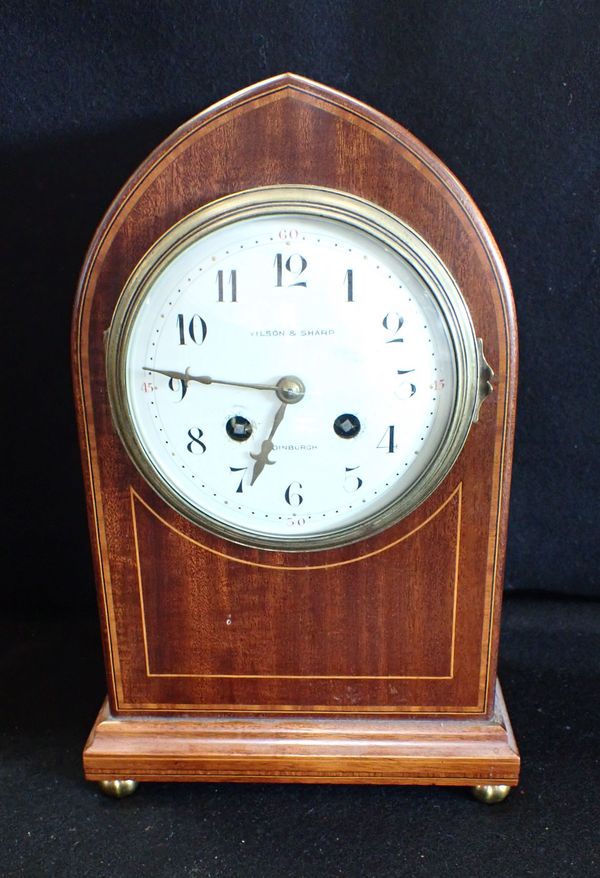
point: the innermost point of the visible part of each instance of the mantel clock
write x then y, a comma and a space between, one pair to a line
294, 355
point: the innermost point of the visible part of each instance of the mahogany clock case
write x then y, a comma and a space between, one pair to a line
402, 623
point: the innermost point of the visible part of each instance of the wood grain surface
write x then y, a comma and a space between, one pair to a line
404, 623
276, 750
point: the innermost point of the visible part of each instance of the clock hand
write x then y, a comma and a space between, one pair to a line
290, 390
262, 458
206, 379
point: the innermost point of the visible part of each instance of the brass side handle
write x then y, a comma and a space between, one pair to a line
484, 385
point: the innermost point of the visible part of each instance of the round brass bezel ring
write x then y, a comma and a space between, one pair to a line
344, 208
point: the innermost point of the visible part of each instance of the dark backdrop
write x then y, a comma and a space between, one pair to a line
504, 92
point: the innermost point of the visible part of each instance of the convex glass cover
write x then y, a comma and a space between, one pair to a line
292, 368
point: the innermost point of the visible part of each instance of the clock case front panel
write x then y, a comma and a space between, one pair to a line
404, 623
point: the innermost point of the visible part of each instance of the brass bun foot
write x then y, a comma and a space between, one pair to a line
118, 789
491, 793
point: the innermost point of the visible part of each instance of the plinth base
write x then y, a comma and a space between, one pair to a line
458, 752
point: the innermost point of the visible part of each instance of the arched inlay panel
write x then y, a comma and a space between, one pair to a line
300, 622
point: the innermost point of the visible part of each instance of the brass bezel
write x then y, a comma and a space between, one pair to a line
365, 216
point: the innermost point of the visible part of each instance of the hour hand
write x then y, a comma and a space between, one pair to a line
262, 458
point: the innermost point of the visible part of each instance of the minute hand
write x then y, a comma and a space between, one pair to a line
206, 379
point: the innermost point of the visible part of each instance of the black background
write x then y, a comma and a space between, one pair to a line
506, 94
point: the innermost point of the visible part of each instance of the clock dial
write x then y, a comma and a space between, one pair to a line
290, 374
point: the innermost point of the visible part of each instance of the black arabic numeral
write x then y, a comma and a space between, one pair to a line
195, 330
393, 322
349, 278
406, 389
239, 469
293, 499
388, 440
196, 446
178, 386
232, 285
295, 265
352, 483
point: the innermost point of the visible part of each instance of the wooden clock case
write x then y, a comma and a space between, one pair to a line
370, 663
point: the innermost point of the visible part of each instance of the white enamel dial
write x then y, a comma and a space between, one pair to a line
289, 378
